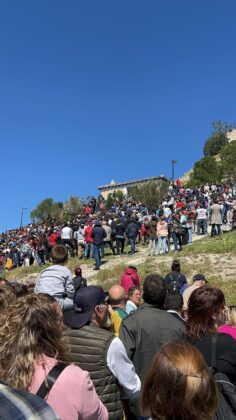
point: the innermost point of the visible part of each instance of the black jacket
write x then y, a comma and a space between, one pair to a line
98, 234
132, 230
143, 333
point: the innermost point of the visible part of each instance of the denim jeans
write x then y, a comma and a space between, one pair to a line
190, 235
161, 244
88, 252
97, 249
213, 229
151, 246
132, 245
202, 225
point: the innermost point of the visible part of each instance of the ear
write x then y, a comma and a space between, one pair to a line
97, 310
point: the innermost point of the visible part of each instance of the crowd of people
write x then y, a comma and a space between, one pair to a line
183, 213
153, 348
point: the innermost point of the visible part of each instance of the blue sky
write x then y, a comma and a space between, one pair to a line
101, 89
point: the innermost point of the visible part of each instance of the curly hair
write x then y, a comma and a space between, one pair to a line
31, 327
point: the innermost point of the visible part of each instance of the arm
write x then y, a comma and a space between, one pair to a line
123, 369
69, 287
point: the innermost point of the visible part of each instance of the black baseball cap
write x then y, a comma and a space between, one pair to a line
199, 277
85, 301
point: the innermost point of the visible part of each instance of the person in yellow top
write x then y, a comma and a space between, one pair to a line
9, 262
117, 307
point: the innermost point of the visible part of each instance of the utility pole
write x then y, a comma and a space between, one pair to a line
21, 217
173, 168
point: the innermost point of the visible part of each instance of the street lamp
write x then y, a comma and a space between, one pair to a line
21, 217
173, 168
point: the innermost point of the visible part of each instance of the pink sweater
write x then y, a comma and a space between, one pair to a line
228, 329
72, 396
162, 229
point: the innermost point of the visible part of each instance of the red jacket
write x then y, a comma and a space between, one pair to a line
129, 279
87, 232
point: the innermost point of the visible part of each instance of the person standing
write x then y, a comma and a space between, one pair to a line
215, 218
162, 233
98, 234
132, 233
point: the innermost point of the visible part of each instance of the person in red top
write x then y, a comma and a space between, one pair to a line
130, 278
87, 210
88, 252
178, 182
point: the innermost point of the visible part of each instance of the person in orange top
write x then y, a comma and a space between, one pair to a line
162, 233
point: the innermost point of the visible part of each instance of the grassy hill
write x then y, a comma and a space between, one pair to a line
213, 257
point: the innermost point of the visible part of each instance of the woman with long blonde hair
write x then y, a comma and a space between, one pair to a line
31, 346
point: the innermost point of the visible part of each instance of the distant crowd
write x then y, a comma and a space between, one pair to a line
183, 213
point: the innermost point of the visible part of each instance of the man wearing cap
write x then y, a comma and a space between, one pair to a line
98, 351
198, 281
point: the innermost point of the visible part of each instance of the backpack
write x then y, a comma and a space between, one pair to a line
174, 285
227, 392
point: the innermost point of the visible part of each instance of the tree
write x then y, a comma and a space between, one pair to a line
73, 206
228, 161
215, 143
151, 193
115, 197
205, 170
46, 210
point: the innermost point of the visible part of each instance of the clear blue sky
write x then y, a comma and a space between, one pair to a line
96, 90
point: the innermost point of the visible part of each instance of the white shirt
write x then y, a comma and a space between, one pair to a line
66, 233
123, 369
201, 214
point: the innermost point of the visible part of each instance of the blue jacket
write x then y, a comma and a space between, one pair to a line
98, 234
132, 230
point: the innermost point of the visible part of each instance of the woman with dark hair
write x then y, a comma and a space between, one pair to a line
31, 345
179, 385
206, 312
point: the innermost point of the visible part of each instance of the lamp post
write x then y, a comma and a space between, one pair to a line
173, 168
22, 213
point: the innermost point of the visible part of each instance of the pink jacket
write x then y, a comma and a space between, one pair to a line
73, 395
130, 279
162, 229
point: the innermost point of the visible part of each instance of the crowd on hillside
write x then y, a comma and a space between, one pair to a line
153, 349
183, 212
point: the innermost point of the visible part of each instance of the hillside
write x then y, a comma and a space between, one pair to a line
213, 257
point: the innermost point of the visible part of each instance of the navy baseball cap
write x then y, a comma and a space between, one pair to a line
85, 301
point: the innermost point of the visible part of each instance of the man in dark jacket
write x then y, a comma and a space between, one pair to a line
132, 233
146, 330
98, 234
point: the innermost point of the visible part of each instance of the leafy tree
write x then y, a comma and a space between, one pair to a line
205, 170
151, 193
73, 206
109, 201
215, 143
116, 196
46, 210
228, 160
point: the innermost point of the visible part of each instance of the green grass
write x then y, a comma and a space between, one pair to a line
224, 243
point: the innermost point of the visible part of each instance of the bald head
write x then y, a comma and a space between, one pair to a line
117, 295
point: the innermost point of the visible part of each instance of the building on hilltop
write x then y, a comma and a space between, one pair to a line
105, 190
231, 135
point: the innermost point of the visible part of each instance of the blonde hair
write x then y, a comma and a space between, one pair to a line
179, 385
231, 316
31, 326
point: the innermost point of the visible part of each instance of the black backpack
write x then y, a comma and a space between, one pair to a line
227, 392
175, 285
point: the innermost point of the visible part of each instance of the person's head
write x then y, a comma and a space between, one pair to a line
199, 279
179, 385
206, 311
231, 316
90, 305
31, 326
154, 290
59, 254
134, 295
132, 268
174, 302
117, 296
19, 289
175, 266
78, 271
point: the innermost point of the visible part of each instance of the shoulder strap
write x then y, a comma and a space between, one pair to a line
213, 350
50, 380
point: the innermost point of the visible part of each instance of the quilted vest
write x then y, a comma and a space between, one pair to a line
88, 349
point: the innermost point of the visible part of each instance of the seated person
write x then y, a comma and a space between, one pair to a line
56, 280
78, 280
134, 297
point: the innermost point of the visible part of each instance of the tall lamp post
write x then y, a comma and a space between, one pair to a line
173, 168
22, 213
